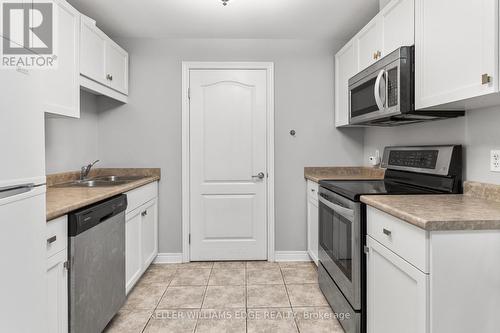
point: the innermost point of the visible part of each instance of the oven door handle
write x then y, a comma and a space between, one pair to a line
378, 99
347, 213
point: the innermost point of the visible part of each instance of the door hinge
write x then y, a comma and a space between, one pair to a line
66, 265
366, 249
189, 93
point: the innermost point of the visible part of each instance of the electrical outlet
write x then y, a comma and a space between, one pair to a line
495, 161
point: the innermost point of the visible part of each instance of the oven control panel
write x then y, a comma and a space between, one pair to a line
423, 159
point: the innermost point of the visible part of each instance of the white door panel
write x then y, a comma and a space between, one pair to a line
228, 146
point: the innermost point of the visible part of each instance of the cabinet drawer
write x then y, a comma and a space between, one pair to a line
141, 195
57, 235
404, 239
312, 190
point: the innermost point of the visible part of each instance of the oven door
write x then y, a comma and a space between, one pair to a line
376, 96
340, 243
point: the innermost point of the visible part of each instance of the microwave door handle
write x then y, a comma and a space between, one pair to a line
347, 213
378, 99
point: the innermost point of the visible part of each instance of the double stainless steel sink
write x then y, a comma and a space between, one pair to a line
102, 181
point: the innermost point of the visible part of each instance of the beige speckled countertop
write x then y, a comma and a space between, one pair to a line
477, 209
63, 200
343, 173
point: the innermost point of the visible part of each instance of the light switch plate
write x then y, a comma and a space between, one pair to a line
495, 161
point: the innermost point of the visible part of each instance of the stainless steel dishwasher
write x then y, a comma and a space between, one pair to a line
97, 264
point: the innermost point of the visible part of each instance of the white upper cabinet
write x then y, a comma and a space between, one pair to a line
346, 65
456, 50
392, 28
104, 64
398, 21
93, 51
61, 88
116, 67
369, 42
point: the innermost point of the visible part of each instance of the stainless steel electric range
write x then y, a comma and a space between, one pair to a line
342, 220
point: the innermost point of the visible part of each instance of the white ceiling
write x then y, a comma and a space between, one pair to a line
300, 19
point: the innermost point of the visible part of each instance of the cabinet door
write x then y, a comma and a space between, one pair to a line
61, 86
346, 66
370, 43
116, 67
312, 229
57, 289
397, 293
398, 19
133, 259
92, 51
456, 42
149, 233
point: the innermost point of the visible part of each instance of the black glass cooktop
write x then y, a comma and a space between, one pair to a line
353, 189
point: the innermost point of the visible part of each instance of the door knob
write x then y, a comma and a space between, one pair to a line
260, 175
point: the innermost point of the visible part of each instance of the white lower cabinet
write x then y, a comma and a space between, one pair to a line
312, 220
57, 275
133, 249
141, 229
430, 281
397, 293
149, 232
57, 289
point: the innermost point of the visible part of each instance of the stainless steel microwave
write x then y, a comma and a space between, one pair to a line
384, 93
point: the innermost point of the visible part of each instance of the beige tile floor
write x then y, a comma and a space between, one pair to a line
227, 297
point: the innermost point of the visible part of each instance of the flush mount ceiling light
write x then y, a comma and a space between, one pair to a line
224, 2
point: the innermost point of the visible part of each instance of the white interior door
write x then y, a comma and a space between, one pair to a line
228, 133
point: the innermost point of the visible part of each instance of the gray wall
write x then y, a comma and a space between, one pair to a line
71, 143
477, 131
147, 131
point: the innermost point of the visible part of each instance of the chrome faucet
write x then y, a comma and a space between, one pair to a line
86, 170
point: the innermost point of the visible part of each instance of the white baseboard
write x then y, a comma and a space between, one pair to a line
292, 256
176, 258
168, 258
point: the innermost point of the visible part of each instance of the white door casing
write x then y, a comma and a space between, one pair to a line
228, 213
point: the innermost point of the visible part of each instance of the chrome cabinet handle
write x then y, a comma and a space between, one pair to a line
260, 175
51, 239
109, 77
144, 213
387, 232
348, 213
